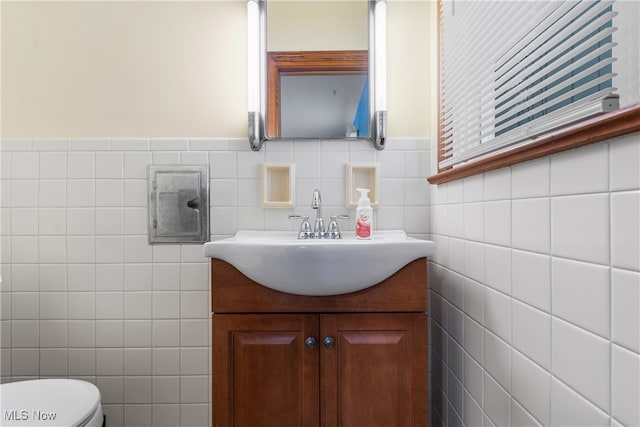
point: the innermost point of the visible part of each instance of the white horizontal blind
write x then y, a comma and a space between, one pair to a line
512, 70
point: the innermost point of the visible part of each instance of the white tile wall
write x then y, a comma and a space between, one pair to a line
580, 226
474, 339
84, 295
625, 370
497, 402
530, 224
585, 374
531, 384
570, 408
531, 330
560, 325
585, 170
531, 279
520, 417
625, 316
497, 315
591, 283
625, 230
497, 359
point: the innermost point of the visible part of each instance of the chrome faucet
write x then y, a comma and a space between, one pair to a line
316, 203
319, 231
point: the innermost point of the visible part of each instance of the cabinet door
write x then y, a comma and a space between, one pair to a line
376, 372
263, 372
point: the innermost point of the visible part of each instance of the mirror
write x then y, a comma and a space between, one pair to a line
316, 69
317, 94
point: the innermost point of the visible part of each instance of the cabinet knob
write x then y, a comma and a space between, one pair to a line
329, 342
311, 343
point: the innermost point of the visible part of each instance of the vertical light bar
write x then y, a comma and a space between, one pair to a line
253, 56
254, 73
380, 40
380, 74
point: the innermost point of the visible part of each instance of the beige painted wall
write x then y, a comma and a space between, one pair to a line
411, 70
317, 25
167, 69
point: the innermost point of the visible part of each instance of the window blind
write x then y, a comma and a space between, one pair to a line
513, 70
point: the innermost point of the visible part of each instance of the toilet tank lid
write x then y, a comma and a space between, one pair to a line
48, 402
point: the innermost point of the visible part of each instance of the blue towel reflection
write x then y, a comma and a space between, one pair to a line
361, 119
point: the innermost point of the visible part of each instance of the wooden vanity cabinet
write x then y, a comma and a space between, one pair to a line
263, 375
349, 360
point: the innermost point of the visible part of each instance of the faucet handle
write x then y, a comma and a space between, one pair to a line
305, 226
333, 230
316, 200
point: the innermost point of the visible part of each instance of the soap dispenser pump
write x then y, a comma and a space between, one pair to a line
364, 215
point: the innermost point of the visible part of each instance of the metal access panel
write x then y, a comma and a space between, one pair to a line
178, 204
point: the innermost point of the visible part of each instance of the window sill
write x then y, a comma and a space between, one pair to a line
606, 126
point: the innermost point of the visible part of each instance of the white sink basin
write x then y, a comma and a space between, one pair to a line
278, 260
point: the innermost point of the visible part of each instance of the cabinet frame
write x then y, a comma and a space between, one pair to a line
405, 291
338, 365
275, 331
388, 319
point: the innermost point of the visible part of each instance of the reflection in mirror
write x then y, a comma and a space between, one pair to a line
317, 94
323, 106
316, 70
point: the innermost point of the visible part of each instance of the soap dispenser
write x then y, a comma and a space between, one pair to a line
364, 215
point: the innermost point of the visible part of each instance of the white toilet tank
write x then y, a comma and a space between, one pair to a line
50, 402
